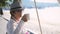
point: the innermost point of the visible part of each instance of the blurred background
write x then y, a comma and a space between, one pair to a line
48, 12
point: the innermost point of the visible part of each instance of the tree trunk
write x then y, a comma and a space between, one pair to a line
1, 12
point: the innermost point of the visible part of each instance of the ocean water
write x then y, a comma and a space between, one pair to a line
39, 5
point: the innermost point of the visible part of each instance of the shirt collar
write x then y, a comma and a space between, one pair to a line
14, 21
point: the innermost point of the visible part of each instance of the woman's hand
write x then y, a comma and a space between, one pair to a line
25, 17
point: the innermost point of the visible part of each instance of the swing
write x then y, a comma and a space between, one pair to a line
38, 17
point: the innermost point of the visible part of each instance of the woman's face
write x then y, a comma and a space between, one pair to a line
18, 13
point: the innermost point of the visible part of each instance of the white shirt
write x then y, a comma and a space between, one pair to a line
15, 27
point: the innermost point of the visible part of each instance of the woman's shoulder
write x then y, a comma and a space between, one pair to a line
10, 22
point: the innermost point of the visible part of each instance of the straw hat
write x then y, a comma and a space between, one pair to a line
16, 6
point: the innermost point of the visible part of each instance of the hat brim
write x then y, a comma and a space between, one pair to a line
15, 9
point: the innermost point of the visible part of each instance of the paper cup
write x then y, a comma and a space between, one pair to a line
27, 16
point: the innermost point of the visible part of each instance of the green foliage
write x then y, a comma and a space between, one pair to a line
6, 2
3, 2
10, 0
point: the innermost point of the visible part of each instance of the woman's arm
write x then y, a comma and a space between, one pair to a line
17, 30
10, 27
21, 23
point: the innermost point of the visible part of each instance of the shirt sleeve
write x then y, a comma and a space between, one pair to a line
10, 27
17, 30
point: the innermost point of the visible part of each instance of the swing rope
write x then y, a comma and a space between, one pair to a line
38, 16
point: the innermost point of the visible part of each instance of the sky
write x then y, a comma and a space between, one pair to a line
40, 3
46, 1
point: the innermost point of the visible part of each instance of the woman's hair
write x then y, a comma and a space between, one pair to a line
12, 12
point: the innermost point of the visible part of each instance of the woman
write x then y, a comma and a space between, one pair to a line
16, 23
